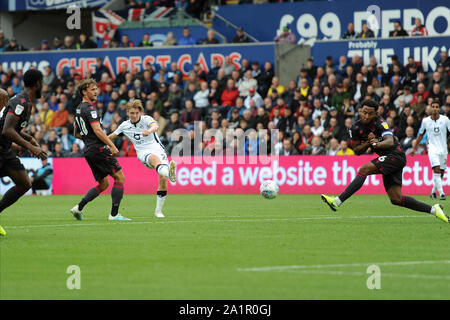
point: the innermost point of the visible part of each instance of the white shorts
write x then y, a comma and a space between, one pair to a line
158, 151
438, 160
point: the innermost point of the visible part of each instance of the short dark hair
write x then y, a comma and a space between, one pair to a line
31, 77
436, 101
370, 103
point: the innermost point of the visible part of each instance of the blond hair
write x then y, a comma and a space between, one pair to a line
135, 103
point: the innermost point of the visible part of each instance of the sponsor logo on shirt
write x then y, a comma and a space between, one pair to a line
94, 114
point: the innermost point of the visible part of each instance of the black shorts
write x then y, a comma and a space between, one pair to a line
102, 162
391, 167
9, 161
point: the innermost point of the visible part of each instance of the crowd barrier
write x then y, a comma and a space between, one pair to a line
243, 175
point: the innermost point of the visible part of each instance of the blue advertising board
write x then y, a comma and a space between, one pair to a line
424, 49
184, 56
20, 5
329, 19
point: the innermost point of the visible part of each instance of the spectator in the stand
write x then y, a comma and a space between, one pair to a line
210, 38
60, 118
275, 86
406, 142
288, 149
230, 94
85, 42
170, 40
366, 32
125, 42
338, 98
420, 90
189, 115
68, 43
100, 69
240, 36
316, 148
195, 8
398, 30
14, 46
437, 78
419, 29
334, 147
16, 85
445, 61
286, 36
255, 96
187, 39
350, 33
345, 150
436, 94
228, 67
419, 105
246, 83
201, 98
75, 151
146, 42
44, 45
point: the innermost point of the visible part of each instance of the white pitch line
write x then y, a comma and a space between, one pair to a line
383, 274
343, 265
82, 224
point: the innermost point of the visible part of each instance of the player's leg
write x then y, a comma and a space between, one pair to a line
92, 193
22, 185
442, 168
356, 184
161, 195
437, 182
158, 160
434, 163
397, 198
117, 195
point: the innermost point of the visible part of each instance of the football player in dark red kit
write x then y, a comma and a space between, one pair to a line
14, 118
100, 152
371, 131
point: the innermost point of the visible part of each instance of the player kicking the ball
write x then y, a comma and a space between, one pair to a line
141, 131
390, 162
99, 152
436, 127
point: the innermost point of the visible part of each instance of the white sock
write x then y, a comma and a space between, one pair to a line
160, 202
438, 182
163, 169
338, 201
433, 210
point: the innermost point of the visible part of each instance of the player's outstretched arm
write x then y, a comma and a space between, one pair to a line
10, 132
112, 136
104, 138
416, 145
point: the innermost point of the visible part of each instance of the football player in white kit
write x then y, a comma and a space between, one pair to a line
141, 130
436, 127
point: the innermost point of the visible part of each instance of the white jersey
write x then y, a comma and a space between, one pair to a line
437, 133
133, 131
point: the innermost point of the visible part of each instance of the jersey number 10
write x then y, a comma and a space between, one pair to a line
82, 126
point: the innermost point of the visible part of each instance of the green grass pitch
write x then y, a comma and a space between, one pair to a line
223, 247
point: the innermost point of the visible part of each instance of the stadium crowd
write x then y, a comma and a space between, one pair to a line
313, 112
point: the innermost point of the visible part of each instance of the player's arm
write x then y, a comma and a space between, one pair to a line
416, 145
388, 142
153, 128
358, 147
9, 131
29, 138
103, 137
112, 136
76, 134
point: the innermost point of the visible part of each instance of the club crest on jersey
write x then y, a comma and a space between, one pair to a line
436, 129
94, 114
385, 125
19, 109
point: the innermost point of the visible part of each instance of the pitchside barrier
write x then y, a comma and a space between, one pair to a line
240, 175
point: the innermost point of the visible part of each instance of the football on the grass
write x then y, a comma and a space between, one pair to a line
269, 189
